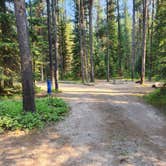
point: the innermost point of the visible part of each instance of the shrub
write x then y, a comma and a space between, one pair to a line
157, 98
47, 110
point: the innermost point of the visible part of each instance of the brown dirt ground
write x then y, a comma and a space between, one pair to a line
108, 125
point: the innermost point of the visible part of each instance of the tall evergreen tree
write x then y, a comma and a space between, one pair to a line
49, 39
144, 40
91, 40
9, 59
119, 49
111, 59
151, 41
82, 44
160, 39
133, 41
55, 40
26, 63
126, 40
76, 60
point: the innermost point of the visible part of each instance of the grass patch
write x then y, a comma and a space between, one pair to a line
47, 110
56, 91
157, 98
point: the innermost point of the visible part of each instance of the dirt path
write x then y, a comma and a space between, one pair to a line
107, 126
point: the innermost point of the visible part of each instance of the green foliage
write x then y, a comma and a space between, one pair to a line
126, 25
99, 57
63, 51
9, 58
76, 60
157, 98
69, 41
38, 37
159, 42
48, 110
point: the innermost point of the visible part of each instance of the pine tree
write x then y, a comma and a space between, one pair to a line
119, 49
133, 42
160, 39
64, 56
9, 58
126, 40
111, 59
55, 40
49, 39
26, 64
144, 41
76, 60
91, 40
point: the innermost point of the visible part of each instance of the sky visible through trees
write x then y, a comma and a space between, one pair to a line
70, 12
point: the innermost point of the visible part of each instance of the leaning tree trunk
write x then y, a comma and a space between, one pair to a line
133, 42
91, 40
144, 41
26, 62
49, 38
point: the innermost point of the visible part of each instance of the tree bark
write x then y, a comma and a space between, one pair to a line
107, 55
84, 38
54, 15
151, 43
42, 72
81, 24
26, 62
133, 42
91, 40
119, 40
49, 39
144, 41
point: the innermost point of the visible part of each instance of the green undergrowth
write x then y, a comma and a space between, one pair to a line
157, 98
47, 110
16, 91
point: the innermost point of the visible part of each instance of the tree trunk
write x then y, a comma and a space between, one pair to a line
49, 38
84, 38
42, 72
107, 55
133, 42
151, 43
119, 40
30, 13
26, 62
91, 40
144, 41
54, 15
81, 22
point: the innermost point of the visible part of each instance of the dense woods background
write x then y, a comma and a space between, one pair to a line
88, 39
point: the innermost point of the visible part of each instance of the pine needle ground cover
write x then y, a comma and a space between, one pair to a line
47, 110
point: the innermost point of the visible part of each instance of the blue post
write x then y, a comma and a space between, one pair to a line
49, 87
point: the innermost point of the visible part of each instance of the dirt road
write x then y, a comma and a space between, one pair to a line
108, 125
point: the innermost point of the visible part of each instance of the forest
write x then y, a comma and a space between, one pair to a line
86, 40
100, 39
95, 67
